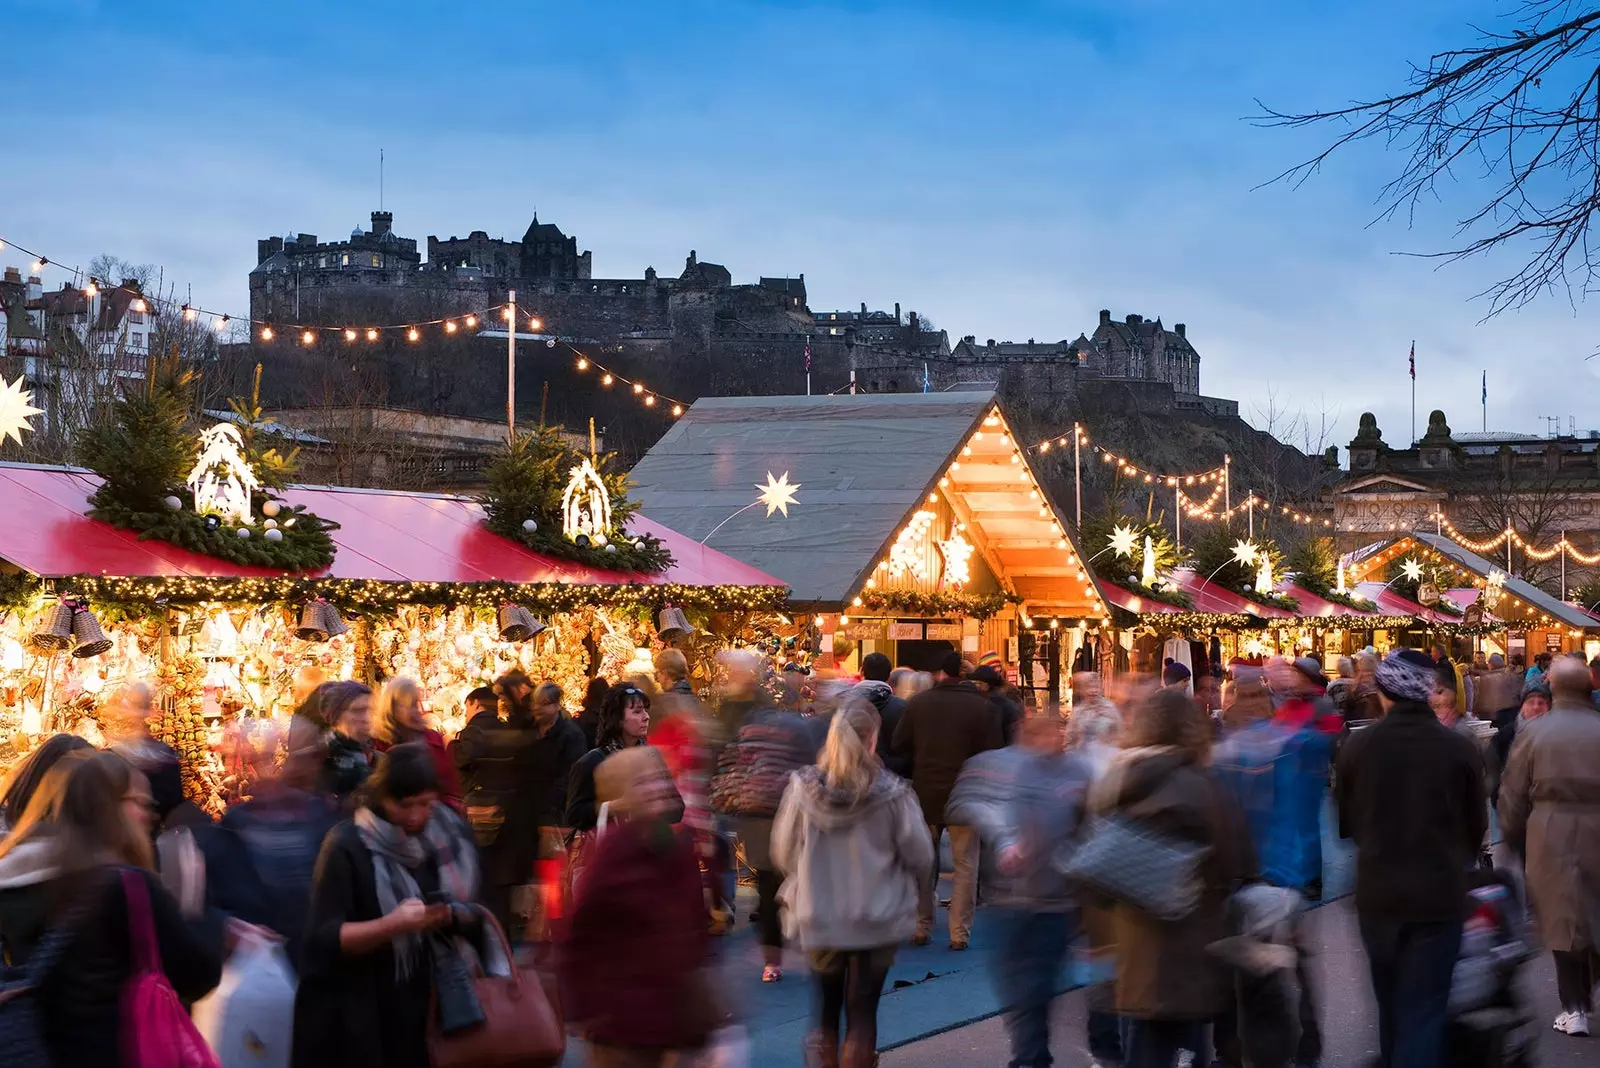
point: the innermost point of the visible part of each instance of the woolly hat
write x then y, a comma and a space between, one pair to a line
1311, 669
1174, 673
1407, 675
991, 658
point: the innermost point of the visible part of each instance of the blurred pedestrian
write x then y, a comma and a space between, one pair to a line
1411, 794
23, 780
1027, 802
392, 892
940, 730
682, 732
482, 719
908, 683
876, 687
851, 838
991, 682
752, 774
635, 967
1550, 814
624, 723
125, 720
398, 719
594, 697
1510, 723
1169, 986
1312, 726
346, 707
66, 872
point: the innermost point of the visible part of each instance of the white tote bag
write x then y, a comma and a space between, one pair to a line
249, 1018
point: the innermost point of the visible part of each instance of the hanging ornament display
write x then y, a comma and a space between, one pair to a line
16, 407
1264, 582
1123, 539
585, 504
221, 480
911, 552
957, 552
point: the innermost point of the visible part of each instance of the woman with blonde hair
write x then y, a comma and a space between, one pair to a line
397, 719
849, 836
75, 879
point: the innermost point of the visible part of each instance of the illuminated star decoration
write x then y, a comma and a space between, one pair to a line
957, 554
16, 405
1245, 553
1412, 570
1123, 540
778, 494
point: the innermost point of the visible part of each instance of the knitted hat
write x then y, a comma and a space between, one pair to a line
1311, 669
1174, 673
1407, 675
991, 658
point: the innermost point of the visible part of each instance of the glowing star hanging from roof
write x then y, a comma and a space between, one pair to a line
1123, 539
16, 405
1245, 553
1412, 570
778, 494
957, 552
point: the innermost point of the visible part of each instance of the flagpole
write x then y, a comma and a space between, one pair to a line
1485, 400
1413, 394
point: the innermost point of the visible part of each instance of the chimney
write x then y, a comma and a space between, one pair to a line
971, 339
1180, 330
863, 309
382, 222
1105, 317
266, 248
991, 343
13, 276
897, 311
35, 288
1135, 320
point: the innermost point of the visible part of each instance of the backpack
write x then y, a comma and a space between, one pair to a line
156, 1029
21, 1036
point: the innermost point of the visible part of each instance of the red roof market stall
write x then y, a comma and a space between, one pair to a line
418, 586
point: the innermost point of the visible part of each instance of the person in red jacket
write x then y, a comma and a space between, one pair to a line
634, 963
398, 719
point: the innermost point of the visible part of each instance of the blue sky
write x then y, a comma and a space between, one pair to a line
1007, 168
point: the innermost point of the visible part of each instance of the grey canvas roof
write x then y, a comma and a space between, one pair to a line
863, 464
1525, 592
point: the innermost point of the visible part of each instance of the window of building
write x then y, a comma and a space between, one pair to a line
377, 260
322, 261
136, 341
136, 317
344, 260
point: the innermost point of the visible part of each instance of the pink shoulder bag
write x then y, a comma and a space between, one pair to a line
156, 1030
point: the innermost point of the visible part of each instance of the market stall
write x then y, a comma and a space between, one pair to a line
919, 526
417, 585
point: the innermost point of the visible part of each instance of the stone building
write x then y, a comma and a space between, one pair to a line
1478, 482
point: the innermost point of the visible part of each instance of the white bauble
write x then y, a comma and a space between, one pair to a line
273, 535
270, 524
529, 526
271, 508
599, 539
611, 548
173, 504
243, 532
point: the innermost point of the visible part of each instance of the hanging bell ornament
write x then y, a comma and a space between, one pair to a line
86, 631
333, 621
513, 625
673, 624
313, 627
57, 630
534, 624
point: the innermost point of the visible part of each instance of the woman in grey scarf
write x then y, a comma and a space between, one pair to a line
394, 887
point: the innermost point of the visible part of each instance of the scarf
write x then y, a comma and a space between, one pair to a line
396, 856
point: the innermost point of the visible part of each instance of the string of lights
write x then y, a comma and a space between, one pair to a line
308, 336
1128, 467
1486, 545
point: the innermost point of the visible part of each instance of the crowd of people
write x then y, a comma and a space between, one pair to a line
384, 859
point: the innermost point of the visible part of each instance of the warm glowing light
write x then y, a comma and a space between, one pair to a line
606, 381
777, 494
450, 327
91, 290
16, 406
650, 401
307, 337
957, 552
220, 324
372, 335
637, 388
413, 334
585, 504
349, 335
677, 409
189, 314
506, 314
472, 321
583, 364
37, 265
139, 305
535, 324
909, 553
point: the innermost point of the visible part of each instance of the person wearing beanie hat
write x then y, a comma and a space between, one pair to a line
1410, 793
1175, 676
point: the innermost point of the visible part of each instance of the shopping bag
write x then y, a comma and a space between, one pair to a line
249, 1018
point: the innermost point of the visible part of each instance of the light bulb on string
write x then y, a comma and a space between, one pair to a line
583, 364
637, 388
506, 314
535, 324
38, 265
139, 305
307, 337
472, 321
413, 334
220, 324
606, 381
372, 335
677, 409
189, 314
266, 333
650, 401
91, 290
450, 326
349, 335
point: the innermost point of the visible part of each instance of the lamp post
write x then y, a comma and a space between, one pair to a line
512, 337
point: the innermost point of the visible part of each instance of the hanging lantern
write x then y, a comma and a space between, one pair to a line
673, 624
86, 632
56, 634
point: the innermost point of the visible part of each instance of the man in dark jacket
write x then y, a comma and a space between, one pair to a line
473, 740
992, 684
874, 686
939, 731
1410, 793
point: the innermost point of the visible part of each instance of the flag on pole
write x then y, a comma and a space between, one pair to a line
1486, 386
1413, 361
808, 356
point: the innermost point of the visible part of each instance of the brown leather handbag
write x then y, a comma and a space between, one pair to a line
521, 1026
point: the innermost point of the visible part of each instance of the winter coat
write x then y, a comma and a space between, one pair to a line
889, 709
1164, 971
471, 745
583, 807
1550, 813
638, 941
1015, 797
346, 767
1410, 793
80, 1000
940, 730
853, 864
1257, 765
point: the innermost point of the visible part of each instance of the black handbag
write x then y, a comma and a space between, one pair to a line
1132, 864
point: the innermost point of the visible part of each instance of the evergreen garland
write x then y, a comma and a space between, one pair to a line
143, 454
911, 603
527, 483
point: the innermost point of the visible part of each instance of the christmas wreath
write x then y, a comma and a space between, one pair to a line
557, 500
145, 453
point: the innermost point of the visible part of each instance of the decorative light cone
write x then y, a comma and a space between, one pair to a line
512, 626
57, 630
333, 621
86, 631
313, 625
672, 623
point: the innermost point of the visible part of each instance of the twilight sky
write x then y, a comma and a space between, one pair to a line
1005, 167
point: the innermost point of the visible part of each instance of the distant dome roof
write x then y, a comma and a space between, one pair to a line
358, 232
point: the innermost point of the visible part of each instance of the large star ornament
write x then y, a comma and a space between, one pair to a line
16, 405
1412, 570
777, 494
1245, 553
1123, 539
